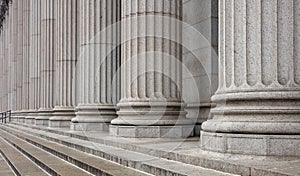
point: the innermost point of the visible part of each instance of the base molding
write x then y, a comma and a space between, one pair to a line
42, 122
90, 126
251, 144
152, 131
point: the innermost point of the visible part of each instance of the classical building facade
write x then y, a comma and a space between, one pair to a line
157, 69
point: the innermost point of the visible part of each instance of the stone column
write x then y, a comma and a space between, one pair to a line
1, 73
258, 100
34, 53
47, 62
20, 62
67, 51
98, 63
5, 63
3, 69
15, 58
151, 104
9, 55
25, 75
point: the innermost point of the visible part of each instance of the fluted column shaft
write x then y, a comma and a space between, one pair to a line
151, 65
1, 74
259, 89
66, 58
47, 61
20, 57
6, 63
98, 63
14, 55
25, 65
34, 53
9, 56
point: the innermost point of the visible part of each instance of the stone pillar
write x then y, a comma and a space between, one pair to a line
1, 73
67, 51
19, 62
151, 104
258, 98
98, 63
47, 62
3, 81
14, 59
34, 58
5, 63
25, 75
9, 56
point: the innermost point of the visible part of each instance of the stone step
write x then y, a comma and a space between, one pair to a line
90, 163
50, 163
19, 163
205, 161
5, 169
143, 162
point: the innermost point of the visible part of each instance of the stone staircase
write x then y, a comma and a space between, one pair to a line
31, 151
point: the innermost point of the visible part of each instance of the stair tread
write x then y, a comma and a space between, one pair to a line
59, 166
23, 165
4, 167
156, 162
97, 162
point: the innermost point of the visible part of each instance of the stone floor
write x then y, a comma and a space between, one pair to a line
183, 151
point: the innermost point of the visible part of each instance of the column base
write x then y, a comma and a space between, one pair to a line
22, 117
43, 117
62, 117
30, 118
254, 123
42, 122
152, 131
252, 144
93, 117
14, 117
198, 113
